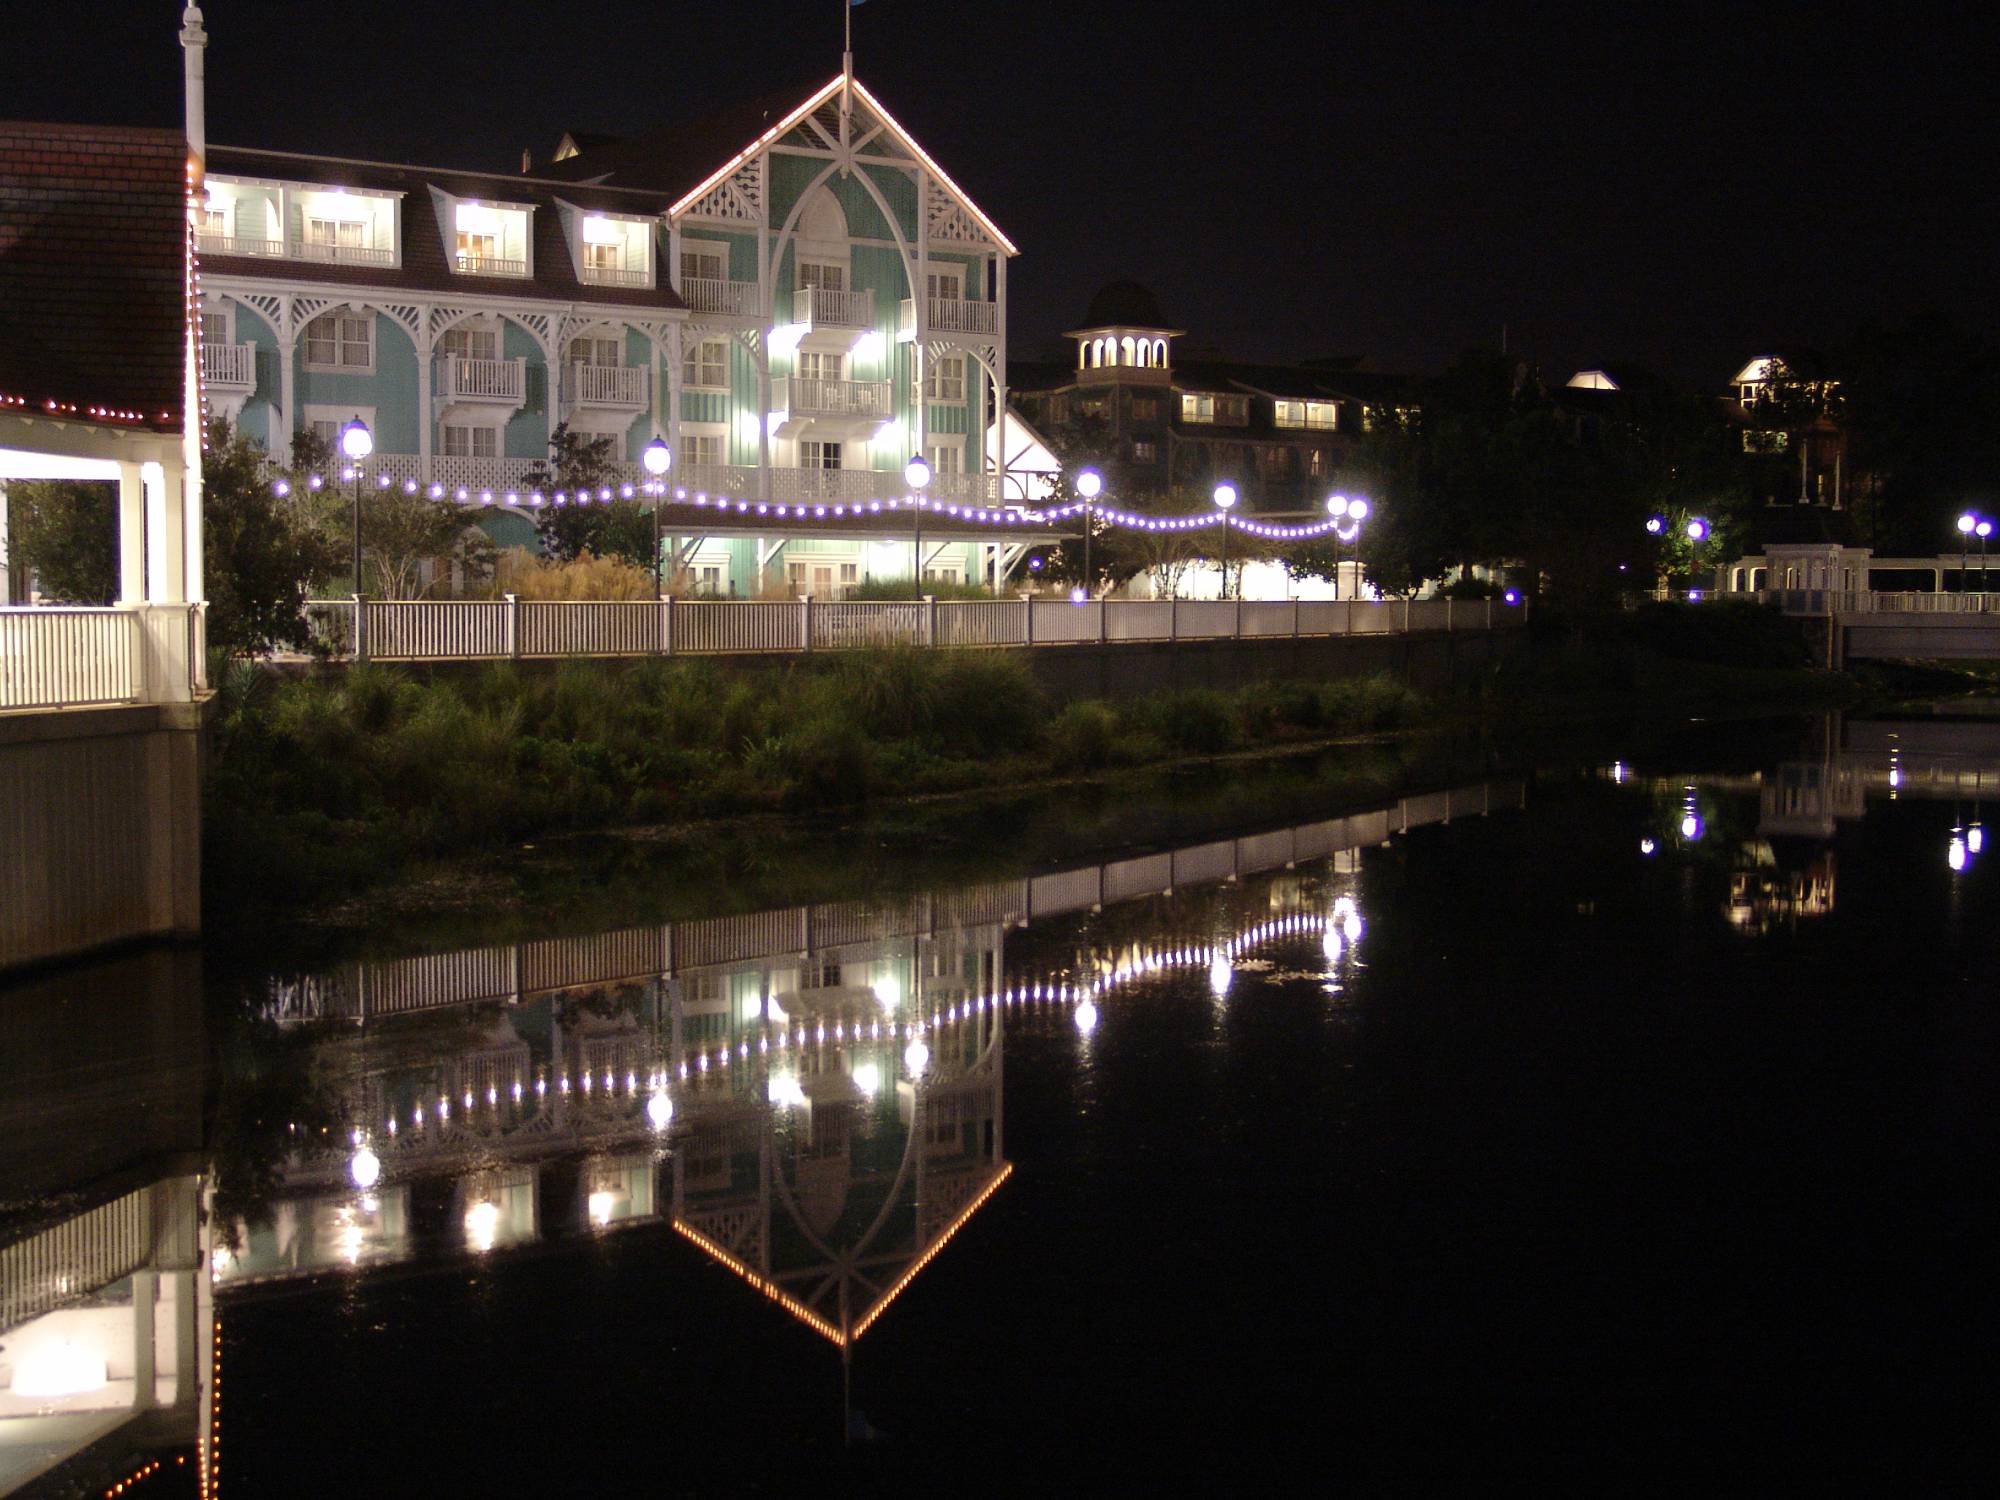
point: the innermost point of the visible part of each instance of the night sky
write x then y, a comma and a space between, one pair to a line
1667, 185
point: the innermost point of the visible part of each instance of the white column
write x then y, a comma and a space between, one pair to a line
762, 354
920, 307
287, 421
131, 536
426, 417
672, 381
164, 542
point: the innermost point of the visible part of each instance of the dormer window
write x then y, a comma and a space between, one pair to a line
340, 227
612, 251
490, 239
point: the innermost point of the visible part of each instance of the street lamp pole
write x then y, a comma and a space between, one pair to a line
658, 458
1965, 524
356, 443
1089, 484
917, 474
1983, 530
1697, 531
1225, 498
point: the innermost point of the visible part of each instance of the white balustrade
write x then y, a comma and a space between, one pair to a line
621, 386
236, 244
713, 294
949, 315
825, 307
60, 657
489, 265
837, 625
981, 622
612, 628
229, 367
805, 396
344, 255
615, 276
464, 379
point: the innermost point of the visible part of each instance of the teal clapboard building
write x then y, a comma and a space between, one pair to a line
796, 303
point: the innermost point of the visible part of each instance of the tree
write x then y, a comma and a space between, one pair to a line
66, 533
263, 552
617, 528
400, 532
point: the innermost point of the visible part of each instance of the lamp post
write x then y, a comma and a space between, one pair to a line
1983, 530
1336, 507
658, 458
1089, 484
357, 442
917, 474
1697, 532
1965, 524
1225, 498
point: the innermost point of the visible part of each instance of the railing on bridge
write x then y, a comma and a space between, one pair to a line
428, 630
65, 657
1862, 601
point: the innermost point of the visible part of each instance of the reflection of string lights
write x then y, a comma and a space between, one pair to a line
930, 1253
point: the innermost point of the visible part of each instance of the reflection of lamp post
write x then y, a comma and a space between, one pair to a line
917, 474
1965, 524
1697, 531
1089, 484
658, 458
357, 442
1225, 497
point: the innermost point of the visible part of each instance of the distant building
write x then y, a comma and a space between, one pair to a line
1789, 409
1280, 433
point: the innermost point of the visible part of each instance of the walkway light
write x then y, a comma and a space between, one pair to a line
657, 457
917, 472
1089, 484
1340, 507
1646, 846
356, 441
1357, 510
917, 1057
1697, 529
1225, 498
1966, 522
365, 1168
1656, 525
1336, 505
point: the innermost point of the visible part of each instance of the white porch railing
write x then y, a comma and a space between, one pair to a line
822, 307
949, 315
622, 386
77, 1257
615, 276
712, 294
802, 396
236, 244
790, 486
463, 379
61, 657
423, 630
343, 255
229, 367
489, 265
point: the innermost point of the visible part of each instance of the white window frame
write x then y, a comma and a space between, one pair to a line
813, 453
703, 432
474, 328
317, 415
946, 286
363, 240
937, 389
1288, 413
821, 359
1198, 406
945, 455
338, 366
694, 367
822, 264
225, 311
491, 428
718, 248
613, 341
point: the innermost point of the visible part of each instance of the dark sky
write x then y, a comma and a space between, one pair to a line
1671, 185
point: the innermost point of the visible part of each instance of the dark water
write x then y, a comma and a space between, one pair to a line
1621, 1119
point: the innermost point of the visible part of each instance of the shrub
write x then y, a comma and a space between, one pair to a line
1200, 721
985, 701
1083, 737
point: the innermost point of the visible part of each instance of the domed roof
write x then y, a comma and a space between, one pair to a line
1124, 304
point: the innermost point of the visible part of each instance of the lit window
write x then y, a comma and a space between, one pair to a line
1291, 413
1197, 408
703, 264
705, 365
1144, 452
337, 234
470, 343
341, 341
946, 458
817, 455
814, 366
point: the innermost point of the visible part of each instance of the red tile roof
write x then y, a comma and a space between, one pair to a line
93, 272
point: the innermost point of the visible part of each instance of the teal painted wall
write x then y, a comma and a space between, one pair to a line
260, 411
527, 432
391, 390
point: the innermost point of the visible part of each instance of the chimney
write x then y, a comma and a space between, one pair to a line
194, 41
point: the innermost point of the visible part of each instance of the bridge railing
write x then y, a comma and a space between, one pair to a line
1863, 601
461, 630
65, 656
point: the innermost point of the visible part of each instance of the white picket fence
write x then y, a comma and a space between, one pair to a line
64, 657
430, 630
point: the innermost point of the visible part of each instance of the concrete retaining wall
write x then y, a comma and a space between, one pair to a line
100, 829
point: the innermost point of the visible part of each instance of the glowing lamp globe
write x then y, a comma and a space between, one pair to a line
1966, 522
1225, 496
1983, 530
888, 992
1090, 484
917, 472
657, 457
1645, 846
1336, 505
365, 1168
1656, 524
1357, 510
917, 1057
660, 1111
1697, 529
356, 441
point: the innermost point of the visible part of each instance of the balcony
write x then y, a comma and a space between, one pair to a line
488, 265
805, 399
948, 315
712, 295
618, 387
229, 368
816, 307
613, 276
827, 486
342, 255
496, 381
206, 243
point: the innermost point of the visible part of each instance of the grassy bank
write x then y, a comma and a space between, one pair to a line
321, 786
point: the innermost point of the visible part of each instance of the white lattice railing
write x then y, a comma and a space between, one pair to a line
428, 630
463, 379
824, 307
949, 315
229, 366
622, 386
790, 486
806, 396
712, 294
74, 1259
62, 657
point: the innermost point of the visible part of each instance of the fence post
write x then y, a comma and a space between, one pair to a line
1103, 621
1447, 615
1295, 619
360, 628
1489, 611
513, 626
1406, 614
1174, 620
805, 622
667, 625
930, 620
1238, 602
1028, 610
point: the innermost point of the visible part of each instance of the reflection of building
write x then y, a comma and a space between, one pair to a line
1766, 895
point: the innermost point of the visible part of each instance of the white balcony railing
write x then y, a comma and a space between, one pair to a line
489, 265
229, 367
463, 379
623, 387
949, 315
343, 255
60, 657
790, 486
236, 244
821, 307
712, 294
615, 276
805, 397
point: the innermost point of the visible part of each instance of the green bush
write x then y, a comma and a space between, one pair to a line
1198, 721
1083, 736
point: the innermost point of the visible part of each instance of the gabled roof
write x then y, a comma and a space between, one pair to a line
426, 264
94, 273
688, 161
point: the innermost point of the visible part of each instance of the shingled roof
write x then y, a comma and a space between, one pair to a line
93, 272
